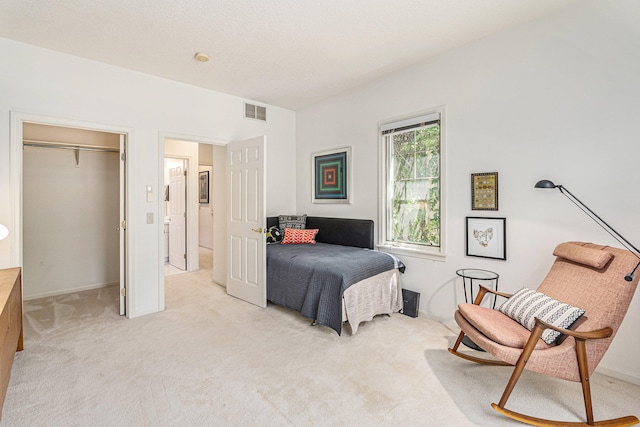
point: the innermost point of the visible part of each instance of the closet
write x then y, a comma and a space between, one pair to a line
71, 210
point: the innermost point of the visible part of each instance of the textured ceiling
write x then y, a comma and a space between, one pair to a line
288, 53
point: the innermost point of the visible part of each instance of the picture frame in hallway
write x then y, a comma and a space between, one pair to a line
203, 185
331, 176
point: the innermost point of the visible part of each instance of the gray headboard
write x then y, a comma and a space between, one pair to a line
339, 231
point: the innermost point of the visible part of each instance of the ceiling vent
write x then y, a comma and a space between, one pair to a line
256, 112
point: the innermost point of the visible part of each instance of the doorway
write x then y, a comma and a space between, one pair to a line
175, 215
198, 151
73, 182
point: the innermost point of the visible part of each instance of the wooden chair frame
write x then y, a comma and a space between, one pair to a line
581, 354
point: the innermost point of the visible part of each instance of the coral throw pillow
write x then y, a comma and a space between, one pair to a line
293, 236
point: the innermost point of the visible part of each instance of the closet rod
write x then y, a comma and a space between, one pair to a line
65, 146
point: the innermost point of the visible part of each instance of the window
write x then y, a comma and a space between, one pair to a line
411, 171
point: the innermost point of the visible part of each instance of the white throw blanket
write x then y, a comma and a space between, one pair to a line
380, 294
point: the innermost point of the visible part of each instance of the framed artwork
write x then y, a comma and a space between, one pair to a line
486, 237
330, 176
484, 191
203, 185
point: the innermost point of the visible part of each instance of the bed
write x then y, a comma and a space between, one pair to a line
338, 279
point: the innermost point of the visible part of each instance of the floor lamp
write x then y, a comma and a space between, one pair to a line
545, 183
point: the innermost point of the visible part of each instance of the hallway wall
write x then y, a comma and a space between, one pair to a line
205, 214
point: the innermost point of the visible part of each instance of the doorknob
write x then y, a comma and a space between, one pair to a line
257, 230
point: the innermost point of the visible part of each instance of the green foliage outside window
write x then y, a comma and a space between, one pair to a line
415, 160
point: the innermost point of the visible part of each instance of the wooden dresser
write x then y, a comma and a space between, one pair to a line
10, 324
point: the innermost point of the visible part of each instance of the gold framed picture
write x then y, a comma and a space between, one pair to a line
484, 191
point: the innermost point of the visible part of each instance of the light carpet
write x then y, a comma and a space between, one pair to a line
212, 360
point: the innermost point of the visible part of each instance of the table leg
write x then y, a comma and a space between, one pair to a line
466, 340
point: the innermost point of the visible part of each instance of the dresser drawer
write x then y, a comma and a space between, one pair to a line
10, 324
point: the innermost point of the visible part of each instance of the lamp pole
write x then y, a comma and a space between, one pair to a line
545, 183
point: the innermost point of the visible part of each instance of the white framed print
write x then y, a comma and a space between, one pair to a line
486, 237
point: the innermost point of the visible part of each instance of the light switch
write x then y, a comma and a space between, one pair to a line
150, 218
149, 193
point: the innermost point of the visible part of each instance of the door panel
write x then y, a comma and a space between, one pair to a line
252, 263
177, 217
253, 181
235, 269
235, 202
246, 272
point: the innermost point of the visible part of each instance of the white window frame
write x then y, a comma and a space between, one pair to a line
384, 196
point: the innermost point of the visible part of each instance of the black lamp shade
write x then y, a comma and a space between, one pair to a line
545, 183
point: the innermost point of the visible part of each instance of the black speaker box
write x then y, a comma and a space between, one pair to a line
410, 302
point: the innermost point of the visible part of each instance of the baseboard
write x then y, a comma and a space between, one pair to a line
69, 291
219, 284
144, 313
434, 317
619, 375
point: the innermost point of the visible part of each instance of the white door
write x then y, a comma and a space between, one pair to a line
123, 224
177, 216
246, 252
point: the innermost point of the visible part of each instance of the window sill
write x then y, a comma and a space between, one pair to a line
412, 252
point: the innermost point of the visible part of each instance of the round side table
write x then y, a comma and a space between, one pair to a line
469, 275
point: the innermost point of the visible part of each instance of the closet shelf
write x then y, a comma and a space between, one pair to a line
66, 146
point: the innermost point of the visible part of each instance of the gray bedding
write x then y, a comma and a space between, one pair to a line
312, 278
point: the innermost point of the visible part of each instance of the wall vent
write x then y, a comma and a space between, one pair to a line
256, 112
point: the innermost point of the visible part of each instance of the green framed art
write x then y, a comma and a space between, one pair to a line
330, 176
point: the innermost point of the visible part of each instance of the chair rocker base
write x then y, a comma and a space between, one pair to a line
616, 422
482, 360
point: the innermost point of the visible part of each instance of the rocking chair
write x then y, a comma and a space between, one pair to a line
584, 276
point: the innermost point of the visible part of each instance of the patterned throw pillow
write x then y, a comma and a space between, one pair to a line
294, 236
525, 305
292, 221
274, 235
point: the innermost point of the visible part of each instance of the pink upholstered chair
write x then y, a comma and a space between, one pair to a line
584, 275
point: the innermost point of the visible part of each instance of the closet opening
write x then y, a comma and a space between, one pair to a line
73, 211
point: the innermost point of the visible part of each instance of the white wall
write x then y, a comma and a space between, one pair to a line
44, 82
557, 99
71, 215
